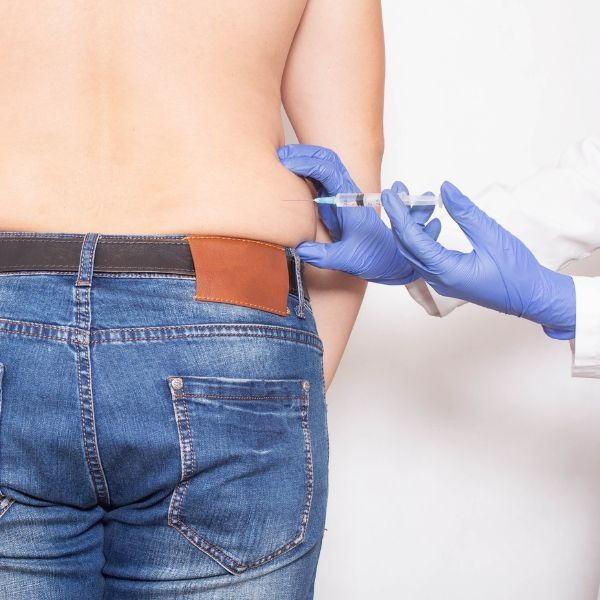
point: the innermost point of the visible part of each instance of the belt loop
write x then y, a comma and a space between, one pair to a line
298, 265
86, 259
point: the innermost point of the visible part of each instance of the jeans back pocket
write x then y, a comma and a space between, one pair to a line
246, 484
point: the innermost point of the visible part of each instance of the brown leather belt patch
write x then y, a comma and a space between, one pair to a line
240, 271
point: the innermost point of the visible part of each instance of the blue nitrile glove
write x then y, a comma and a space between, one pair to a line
362, 243
500, 272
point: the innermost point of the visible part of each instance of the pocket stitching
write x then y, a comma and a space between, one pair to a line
188, 465
187, 395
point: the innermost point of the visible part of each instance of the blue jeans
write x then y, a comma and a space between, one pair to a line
153, 445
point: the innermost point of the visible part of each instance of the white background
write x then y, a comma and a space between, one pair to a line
465, 462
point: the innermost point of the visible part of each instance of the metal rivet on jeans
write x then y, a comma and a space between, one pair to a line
177, 383
306, 385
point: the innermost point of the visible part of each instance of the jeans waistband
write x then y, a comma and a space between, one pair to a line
88, 253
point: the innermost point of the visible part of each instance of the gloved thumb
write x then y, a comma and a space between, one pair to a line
475, 224
433, 228
417, 244
398, 187
315, 253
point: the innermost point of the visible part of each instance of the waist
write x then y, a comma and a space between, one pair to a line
229, 270
246, 201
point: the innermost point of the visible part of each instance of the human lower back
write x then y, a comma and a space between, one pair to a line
120, 118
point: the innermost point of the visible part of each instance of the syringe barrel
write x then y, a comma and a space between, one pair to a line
359, 199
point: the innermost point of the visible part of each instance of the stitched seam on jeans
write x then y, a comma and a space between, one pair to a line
231, 326
293, 334
81, 394
186, 395
77, 317
180, 336
228, 562
97, 473
234, 328
180, 434
156, 339
190, 439
34, 335
36, 324
42, 236
141, 275
83, 424
244, 240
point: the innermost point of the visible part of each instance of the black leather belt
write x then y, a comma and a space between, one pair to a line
113, 255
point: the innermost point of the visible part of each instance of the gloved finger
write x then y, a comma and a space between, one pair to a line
318, 254
307, 151
398, 187
421, 214
559, 334
308, 165
479, 228
294, 155
329, 215
433, 228
329, 175
414, 243
350, 219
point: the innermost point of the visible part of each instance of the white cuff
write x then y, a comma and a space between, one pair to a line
586, 354
421, 293
433, 303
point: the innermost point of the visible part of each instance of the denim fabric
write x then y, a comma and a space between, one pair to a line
153, 445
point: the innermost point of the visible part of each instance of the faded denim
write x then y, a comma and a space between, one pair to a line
153, 445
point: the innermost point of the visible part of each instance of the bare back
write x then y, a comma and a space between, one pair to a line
156, 116
148, 117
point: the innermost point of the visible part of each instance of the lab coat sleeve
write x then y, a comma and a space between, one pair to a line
586, 349
555, 212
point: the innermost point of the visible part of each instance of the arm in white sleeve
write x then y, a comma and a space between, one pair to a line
586, 351
555, 213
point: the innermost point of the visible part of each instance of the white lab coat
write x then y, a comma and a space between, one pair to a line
556, 213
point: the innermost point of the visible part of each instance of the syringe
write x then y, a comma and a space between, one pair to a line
357, 199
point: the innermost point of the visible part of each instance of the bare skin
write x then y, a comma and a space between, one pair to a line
164, 117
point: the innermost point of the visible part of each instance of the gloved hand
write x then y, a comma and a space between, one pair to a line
362, 244
500, 272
